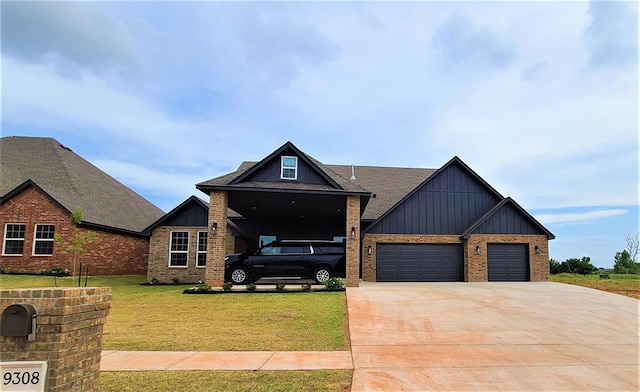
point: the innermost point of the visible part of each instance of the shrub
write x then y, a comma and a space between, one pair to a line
334, 284
280, 286
604, 276
199, 288
55, 271
251, 287
227, 286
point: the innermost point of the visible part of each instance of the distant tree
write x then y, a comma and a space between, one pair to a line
79, 239
624, 264
555, 267
633, 246
581, 266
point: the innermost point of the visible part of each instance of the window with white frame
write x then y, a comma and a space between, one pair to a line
179, 249
202, 249
289, 168
43, 240
13, 239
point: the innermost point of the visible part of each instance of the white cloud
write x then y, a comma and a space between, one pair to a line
579, 217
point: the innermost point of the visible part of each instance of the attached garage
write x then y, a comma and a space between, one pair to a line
419, 263
508, 262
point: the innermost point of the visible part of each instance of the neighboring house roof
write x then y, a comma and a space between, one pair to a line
73, 183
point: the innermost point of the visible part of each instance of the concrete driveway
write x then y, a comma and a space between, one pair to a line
492, 336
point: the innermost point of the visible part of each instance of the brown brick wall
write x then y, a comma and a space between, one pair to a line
68, 335
218, 201
112, 254
352, 253
475, 266
159, 256
371, 240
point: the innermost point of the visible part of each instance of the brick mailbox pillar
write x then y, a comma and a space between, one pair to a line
68, 334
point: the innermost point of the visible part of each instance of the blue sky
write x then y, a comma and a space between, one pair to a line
539, 98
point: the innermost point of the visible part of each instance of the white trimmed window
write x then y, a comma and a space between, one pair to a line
202, 249
13, 239
289, 168
179, 249
43, 240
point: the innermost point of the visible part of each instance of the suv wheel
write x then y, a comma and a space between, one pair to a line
322, 274
238, 275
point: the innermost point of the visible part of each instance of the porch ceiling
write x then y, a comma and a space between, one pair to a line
253, 205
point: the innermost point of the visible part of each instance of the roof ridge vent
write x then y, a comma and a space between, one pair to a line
353, 173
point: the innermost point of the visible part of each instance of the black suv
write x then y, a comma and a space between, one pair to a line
317, 260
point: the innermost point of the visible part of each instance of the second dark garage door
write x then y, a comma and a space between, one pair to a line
508, 262
419, 263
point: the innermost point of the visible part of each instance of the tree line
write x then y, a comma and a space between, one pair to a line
624, 262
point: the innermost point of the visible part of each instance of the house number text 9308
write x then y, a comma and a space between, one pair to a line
23, 376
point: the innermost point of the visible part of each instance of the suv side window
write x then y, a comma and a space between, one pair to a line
271, 250
296, 249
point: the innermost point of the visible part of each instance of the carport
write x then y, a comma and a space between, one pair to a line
301, 203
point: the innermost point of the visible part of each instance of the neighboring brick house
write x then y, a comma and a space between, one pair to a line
399, 224
178, 243
42, 183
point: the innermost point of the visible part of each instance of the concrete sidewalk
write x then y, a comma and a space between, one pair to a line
225, 360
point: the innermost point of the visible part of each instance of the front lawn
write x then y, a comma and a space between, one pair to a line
228, 381
162, 318
624, 284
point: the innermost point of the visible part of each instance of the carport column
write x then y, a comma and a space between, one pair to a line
353, 241
214, 275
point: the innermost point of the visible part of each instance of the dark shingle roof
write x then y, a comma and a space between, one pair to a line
389, 184
73, 182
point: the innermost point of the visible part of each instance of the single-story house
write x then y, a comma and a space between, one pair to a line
178, 243
42, 183
399, 224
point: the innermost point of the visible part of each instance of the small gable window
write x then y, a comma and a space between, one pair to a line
289, 168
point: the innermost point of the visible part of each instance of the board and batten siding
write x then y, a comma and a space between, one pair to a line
271, 172
507, 220
446, 204
191, 215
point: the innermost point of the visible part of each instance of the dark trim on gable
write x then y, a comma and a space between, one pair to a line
30, 183
452, 161
24, 186
287, 146
191, 199
496, 208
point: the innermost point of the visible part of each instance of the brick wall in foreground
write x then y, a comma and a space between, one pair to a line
68, 336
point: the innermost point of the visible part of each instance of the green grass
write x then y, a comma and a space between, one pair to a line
162, 318
228, 381
624, 284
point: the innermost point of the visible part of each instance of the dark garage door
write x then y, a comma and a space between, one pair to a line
419, 263
508, 262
